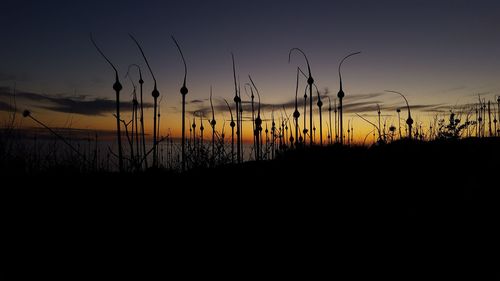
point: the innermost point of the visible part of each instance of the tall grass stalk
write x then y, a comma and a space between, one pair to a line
212, 124
232, 125
135, 114
310, 82
237, 101
409, 120
296, 113
183, 91
155, 93
27, 113
117, 87
258, 122
341, 95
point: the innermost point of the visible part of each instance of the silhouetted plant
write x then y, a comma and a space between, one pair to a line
273, 133
310, 82
212, 124
158, 129
399, 123
379, 133
498, 114
193, 126
352, 132
392, 129
237, 101
304, 130
489, 120
453, 130
335, 108
117, 87
258, 122
341, 95
330, 120
27, 113
380, 141
495, 123
254, 129
135, 117
184, 91
129, 140
155, 93
409, 121
296, 113
320, 104
232, 124
201, 131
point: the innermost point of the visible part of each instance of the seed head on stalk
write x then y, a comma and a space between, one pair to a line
135, 105
117, 87
254, 130
232, 125
141, 119
310, 82
183, 91
296, 113
319, 104
330, 120
212, 124
237, 101
27, 113
409, 121
155, 93
258, 120
341, 95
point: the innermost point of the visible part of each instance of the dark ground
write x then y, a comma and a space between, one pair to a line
401, 211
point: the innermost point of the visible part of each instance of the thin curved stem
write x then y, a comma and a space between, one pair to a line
155, 95
330, 119
341, 62
237, 101
304, 54
258, 123
102, 54
407, 104
409, 121
212, 124
184, 90
117, 87
341, 96
258, 95
310, 81
368, 121
183, 60
232, 131
144, 56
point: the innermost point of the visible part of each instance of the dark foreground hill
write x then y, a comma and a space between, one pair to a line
403, 211
408, 176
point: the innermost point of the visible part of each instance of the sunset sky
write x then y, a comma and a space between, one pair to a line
440, 53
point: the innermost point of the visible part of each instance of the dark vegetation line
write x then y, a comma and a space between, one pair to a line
476, 121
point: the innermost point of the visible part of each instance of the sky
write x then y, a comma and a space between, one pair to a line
440, 53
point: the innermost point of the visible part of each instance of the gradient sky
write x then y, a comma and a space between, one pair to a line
439, 53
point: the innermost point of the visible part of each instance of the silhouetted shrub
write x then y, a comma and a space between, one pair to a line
454, 129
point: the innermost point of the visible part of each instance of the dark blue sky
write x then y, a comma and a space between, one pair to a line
435, 51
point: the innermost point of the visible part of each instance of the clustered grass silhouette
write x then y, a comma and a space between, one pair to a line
267, 144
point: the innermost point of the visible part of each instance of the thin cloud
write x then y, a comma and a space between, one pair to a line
6, 107
438, 107
194, 101
356, 97
78, 105
353, 103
